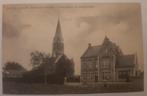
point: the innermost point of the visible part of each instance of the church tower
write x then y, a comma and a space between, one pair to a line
58, 45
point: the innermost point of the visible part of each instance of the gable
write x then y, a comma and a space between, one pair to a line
106, 48
110, 48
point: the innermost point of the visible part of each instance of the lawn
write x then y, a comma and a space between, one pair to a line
69, 88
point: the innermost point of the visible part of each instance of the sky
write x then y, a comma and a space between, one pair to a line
27, 28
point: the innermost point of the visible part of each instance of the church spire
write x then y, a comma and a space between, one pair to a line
58, 34
58, 45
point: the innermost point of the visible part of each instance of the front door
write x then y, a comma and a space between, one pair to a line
106, 69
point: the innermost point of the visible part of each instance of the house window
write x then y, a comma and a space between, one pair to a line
96, 65
105, 63
96, 78
123, 74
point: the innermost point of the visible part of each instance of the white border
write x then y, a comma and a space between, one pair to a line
144, 21
64, 1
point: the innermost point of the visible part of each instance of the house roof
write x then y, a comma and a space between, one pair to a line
121, 60
125, 61
92, 51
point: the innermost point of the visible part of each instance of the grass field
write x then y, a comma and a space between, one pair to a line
69, 88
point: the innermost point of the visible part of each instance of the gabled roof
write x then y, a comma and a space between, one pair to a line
125, 61
92, 51
49, 67
57, 59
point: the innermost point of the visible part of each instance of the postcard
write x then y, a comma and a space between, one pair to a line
76, 48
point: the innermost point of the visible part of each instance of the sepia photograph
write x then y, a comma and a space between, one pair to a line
75, 48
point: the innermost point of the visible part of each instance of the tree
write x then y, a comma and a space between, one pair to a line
13, 68
69, 66
38, 58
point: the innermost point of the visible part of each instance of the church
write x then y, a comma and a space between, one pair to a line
62, 65
57, 67
107, 63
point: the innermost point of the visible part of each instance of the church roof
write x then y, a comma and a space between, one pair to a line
125, 61
48, 67
57, 59
92, 51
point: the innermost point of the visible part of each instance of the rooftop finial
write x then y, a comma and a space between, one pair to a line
106, 36
106, 33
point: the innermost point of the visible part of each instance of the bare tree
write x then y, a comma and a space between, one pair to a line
38, 58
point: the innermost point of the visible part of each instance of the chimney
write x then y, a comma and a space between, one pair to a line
89, 45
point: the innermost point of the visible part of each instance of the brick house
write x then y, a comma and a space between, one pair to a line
107, 63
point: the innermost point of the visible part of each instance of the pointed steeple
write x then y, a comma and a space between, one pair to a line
58, 34
58, 44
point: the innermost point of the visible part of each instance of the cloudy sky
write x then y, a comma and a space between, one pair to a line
27, 28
